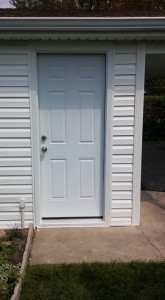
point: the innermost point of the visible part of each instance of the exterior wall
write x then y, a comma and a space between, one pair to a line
15, 143
123, 133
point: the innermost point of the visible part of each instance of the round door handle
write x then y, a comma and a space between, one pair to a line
44, 149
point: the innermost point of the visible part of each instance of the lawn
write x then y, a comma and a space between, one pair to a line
97, 281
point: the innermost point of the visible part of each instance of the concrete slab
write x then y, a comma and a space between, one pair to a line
73, 245
153, 218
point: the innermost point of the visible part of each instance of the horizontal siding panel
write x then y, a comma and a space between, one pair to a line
124, 101
123, 140
123, 121
126, 48
15, 198
13, 59
14, 171
14, 123
119, 177
14, 81
13, 49
123, 134
122, 168
123, 130
15, 152
15, 136
124, 80
125, 69
9, 70
16, 189
124, 195
124, 111
121, 221
12, 224
14, 133
14, 92
124, 90
14, 162
15, 207
121, 213
122, 150
15, 216
15, 143
122, 186
14, 113
15, 180
125, 58
121, 204
122, 159
9, 102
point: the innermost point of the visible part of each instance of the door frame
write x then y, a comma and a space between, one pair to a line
71, 47
143, 49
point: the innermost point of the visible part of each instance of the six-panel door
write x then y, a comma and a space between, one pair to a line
71, 103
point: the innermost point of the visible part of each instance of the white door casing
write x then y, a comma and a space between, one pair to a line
71, 101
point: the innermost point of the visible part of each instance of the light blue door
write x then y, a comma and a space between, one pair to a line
71, 100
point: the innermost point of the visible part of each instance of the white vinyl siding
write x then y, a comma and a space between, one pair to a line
123, 134
15, 133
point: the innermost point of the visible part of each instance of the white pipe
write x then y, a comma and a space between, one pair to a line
22, 207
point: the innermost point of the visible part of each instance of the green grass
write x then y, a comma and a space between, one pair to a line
98, 281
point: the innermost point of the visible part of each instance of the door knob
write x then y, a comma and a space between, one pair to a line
44, 149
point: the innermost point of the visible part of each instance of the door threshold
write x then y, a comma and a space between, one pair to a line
74, 222
73, 218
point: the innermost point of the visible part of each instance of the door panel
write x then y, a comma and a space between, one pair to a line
57, 107
86, 117
71, 101
86, 178
59, 178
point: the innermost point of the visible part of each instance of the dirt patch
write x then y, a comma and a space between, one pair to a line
12, 245
2, 234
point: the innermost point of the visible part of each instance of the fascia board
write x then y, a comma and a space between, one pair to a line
83, 23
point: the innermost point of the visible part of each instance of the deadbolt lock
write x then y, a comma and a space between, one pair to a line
43, 138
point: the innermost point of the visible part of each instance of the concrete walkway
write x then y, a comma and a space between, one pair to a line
73, 245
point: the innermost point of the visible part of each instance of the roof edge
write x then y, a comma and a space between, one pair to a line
82, 23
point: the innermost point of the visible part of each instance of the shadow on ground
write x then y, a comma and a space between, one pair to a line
153, 166
153, 198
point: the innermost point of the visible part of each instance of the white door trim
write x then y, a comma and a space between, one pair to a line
67, 47
138, 134
142, 50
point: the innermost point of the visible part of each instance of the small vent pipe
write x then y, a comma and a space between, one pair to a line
22, 207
